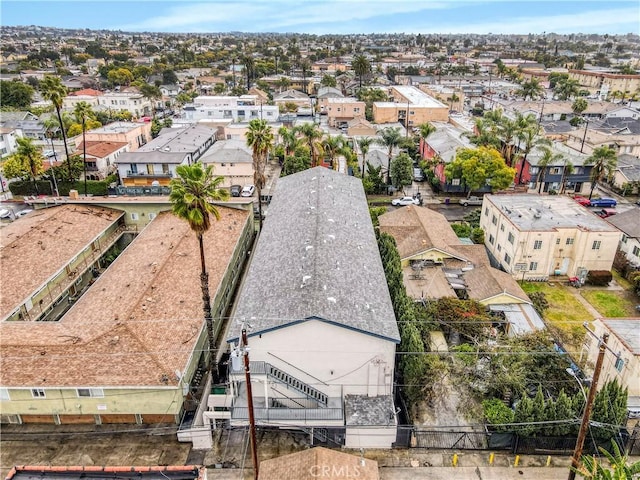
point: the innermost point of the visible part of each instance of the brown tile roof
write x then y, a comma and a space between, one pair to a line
42, 243
317, 463
86, 91
100, 149
138, 322
417, 229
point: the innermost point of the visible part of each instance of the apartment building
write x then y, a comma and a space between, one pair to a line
230, 109
535, 237
410, 107
136, 103
340, 111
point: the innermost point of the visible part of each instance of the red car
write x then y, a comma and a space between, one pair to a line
585, 202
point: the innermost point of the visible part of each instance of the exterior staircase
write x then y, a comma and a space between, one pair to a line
296, 384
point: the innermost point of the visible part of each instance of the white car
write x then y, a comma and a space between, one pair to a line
4, 213
247, 191
24, 212
402, 201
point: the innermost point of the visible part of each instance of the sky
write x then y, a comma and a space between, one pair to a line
330, 16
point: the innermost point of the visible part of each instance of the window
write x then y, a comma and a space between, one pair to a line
486, 211
636, 251
4, 394
152, 216
494, 220
556, 171
557, 241
356, 110
619, 364
596, 245
502, 227
149, 169
499, 248
533, 266
90, 392
569, 241
534, 170
165, 168
537, 245
134, 216
38, 393
510, 238
624, 238
491, 239
507, 258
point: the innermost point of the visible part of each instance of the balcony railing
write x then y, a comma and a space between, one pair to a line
146, 174
297, 414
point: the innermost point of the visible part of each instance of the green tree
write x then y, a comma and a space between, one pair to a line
390, 138
531, 89
604, 162
496, 413
82, 112
565, 89
480, 166
52, 90
332, 146
609, 410
364, 143
525, 415
328, 81
289, 140
15, 94
548, 158
260, 139
120, 76
191, 194
313, 137
579, 105
32, 158
620, 468
151, 92
361, 66
401, 171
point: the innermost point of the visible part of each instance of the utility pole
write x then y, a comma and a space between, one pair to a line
586, 126
243, 350
584, 426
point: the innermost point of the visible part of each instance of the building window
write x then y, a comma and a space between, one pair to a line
152, 216
4, 394
502, 227
556, 171
499, 248
569, 241
636, 251
486, 211
537, 245
491, 239
533, 170
510, 238
507, 258
494, 220
90, 392
619, 364
134, 216
596, 245
557, 241
38, 393
624, 238
533, 266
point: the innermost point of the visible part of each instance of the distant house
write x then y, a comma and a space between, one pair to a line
410, 107
231, 159
323, 346
535, 237
298, 98
629, 224
134, 134
101, 157
154, 164
341, 110
28, 123
627, 174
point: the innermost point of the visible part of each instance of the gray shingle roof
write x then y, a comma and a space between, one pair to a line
317, 257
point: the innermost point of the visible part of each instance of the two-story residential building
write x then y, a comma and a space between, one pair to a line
410, 107
135, 135
230, 109
100, 157
136, 103
440, 148
567, 172
132, 347
87, 95
296, 97
323, 346
8, 142
231, 159
28, 123
629, 224
154, 164
534, 237
603, 83
340, 111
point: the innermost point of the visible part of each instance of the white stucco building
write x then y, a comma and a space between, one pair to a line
322, 332
229, 108
535, 237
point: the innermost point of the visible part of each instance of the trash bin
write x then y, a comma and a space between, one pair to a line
446, 201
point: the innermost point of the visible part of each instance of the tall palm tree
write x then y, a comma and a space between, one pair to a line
52, 90
531, 89
260, 139
191, 192
364, 143
567, 170
528, 138
548, 158
604, 163
332, 146
82, 111
312, 136
424, 130
452, 99
361, 66
390, 137
27, 150
289, 140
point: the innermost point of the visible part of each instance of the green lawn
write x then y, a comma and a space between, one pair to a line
565, 312
610, 303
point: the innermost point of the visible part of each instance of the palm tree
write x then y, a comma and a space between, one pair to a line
361, 66
592, 469
528, 138
27, 150
313, 138
452, 99
332, 146
289, 140
364, 144
260, 139
548, 158
604, 163
81, 111
191, 192
389, 137
531, 89
567, 170
507, 131
52, 90
566, 89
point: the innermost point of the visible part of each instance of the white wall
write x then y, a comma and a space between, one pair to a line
332, 359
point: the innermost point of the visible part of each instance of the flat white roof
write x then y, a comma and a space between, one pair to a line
418, 97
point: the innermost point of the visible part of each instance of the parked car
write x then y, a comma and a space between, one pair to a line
606, 212
604, 202
585, 202
247, 190
235, 190
4, 213
476, 201
24, 212
402, 201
